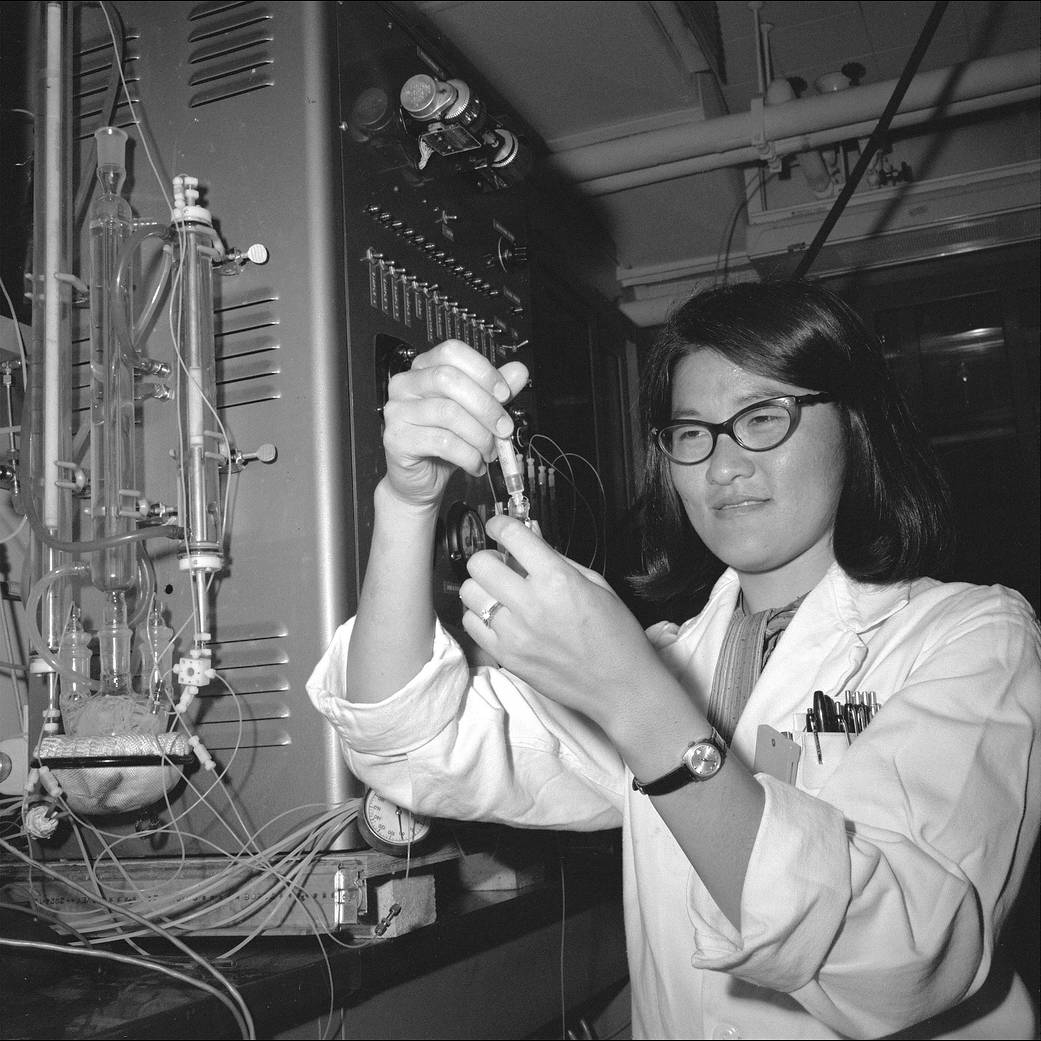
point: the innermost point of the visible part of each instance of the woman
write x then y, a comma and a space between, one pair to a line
856, 893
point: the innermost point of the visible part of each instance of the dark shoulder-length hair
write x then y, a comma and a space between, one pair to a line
891, 522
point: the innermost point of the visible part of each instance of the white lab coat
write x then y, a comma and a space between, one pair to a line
876, 884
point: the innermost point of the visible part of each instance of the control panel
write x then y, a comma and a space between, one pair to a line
436, 246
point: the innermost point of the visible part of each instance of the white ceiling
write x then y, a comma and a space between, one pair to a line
584, 72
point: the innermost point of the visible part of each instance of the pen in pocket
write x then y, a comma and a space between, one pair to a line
811, 726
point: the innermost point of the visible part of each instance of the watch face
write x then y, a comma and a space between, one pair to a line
703, 759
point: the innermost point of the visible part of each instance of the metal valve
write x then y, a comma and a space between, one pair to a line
266, 453
235, 259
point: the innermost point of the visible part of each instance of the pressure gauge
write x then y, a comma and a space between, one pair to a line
388, 828
464, 536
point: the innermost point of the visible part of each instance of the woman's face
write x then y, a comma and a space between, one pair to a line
769, 515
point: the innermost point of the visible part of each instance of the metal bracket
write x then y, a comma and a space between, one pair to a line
765, 148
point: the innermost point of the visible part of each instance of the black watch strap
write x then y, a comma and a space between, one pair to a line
684, 774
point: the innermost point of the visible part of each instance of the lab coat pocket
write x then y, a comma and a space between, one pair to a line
818, 761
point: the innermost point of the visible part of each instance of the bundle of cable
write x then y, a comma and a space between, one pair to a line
105, 775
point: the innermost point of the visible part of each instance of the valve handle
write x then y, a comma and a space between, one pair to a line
265, 453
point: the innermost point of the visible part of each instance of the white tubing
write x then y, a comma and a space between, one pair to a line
978, 80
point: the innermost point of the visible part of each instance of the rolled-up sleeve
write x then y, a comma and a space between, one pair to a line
875, 901
473, 745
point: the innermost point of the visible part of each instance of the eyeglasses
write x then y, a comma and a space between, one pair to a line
759, 427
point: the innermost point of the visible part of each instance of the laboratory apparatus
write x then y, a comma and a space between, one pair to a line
227, 321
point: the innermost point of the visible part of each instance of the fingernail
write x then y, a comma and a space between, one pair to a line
504, 427
502, 391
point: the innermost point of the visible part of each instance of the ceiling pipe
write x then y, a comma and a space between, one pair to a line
794, 145
814, 170
743, 137
780, 92
877, 138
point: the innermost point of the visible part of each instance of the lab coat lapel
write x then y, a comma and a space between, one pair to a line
821, 649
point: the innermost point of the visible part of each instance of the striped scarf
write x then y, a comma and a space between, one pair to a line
749, 641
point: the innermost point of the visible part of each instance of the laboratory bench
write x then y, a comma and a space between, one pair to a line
496, 962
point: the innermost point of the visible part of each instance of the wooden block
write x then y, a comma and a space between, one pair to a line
415, 897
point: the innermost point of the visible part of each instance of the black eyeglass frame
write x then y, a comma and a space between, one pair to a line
791, 403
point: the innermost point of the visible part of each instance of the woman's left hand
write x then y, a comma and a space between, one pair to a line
561, 628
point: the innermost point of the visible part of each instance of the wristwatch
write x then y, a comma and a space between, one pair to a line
702, 759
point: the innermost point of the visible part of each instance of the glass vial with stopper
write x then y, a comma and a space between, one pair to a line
518, 506
155, 638
116, 708
74, 658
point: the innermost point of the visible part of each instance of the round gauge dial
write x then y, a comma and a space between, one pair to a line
389, 828
464, 535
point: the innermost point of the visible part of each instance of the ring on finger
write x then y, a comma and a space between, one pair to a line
488, 613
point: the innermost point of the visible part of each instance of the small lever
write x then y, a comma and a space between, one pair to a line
236, 259
265, 453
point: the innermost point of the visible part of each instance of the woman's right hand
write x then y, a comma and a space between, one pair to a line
445, 412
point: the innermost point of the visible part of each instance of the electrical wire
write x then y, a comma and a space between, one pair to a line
175, 307
239, 1010
598, 521
284, 863
875, 140
161, 906
13, 669
12, 535
175, 301
17, 327
726, 239
201, 796
280, 869
38, 911
141, 127
107, 113
30, 511
182, 243
242, 1014
306, 841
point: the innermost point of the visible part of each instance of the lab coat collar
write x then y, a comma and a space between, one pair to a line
857, 606
863, 605
823, 648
